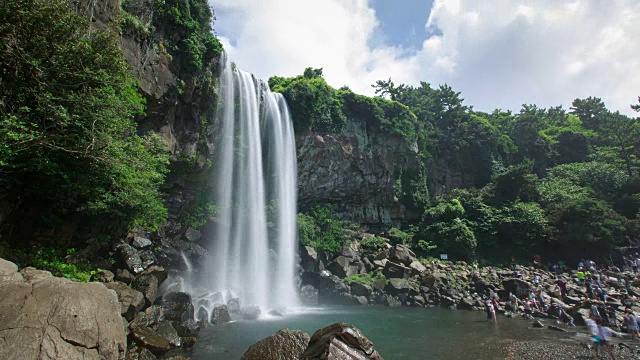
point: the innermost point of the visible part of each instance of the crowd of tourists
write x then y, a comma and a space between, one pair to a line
608, 289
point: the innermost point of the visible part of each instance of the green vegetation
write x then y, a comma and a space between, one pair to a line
67, 104
372, 244
563, 184
316, 106
185, 26
367, 279
321, 229
58, 262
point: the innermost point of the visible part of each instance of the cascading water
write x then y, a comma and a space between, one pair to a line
253, 250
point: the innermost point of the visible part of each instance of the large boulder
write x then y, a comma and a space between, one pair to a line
7, 267
150, 318
220, 314
340, 341
131, 300
518, 287
177, 306
398, 286
148, 286
158, 271
45, 317
285, 344
151, 340
396, 270
309, 259
342, 267
359, 289
128, 255
402, 254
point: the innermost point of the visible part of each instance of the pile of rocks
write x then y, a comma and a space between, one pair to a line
404, 281
337, 341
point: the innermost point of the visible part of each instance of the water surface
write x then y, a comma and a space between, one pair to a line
397, 333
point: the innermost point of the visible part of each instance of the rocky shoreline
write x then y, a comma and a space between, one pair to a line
158, 322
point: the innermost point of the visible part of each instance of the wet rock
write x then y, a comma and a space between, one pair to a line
340, 341
148, 286
397, 286
136, 353
250, 312
158, 271
276, 312
186, 328
392, 301
466, 303
131, 300
359, 289
285, 343
220, 314
202, 317
537, 324
146, 354
233, 305
193, 235
167, 331
362, 300
151, 340
148, 258
150, 318
128, 255
309, 295
177, 306
188, 342
140, 242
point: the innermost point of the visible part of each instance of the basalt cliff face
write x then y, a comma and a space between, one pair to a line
357, 170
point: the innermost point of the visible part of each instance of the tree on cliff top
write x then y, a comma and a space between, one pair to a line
67, 103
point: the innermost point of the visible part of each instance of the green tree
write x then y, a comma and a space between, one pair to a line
67, 104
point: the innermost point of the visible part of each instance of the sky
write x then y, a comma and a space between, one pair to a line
499, 54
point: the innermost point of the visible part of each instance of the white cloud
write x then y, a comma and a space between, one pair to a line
499, 54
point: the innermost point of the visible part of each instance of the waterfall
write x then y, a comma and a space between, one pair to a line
254, 247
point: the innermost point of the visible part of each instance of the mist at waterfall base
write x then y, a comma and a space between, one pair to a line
252, 256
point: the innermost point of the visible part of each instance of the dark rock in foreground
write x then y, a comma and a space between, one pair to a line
340, 341
285, 344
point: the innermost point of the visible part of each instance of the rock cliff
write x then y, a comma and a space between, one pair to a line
357, 170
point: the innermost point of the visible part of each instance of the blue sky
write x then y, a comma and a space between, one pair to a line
402, 22
498, 53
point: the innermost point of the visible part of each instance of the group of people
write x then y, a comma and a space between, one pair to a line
596, 281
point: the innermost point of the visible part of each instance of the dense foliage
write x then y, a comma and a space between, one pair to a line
183, 27
67, 104
564, 184
322, 229
316, 106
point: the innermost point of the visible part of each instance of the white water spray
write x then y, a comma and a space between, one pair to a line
254, 245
